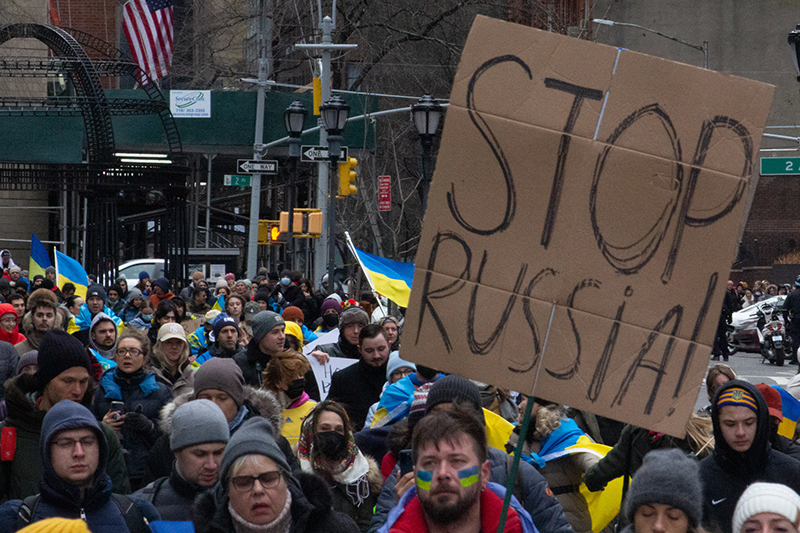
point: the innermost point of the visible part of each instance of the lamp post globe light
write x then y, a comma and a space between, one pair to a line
426, 114
794, 42
334, 114
294, 118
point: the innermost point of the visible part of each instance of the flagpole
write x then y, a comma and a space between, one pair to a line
365, 271
55, 255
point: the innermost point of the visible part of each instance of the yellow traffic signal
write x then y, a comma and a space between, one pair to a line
269, 232
347, 177
274, 233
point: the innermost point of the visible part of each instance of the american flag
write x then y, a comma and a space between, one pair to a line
148, 27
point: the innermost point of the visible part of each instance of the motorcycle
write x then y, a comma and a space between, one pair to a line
771, 334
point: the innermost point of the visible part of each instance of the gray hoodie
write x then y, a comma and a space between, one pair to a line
108, 354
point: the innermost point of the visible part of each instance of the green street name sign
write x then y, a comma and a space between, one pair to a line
237, 180
780, 166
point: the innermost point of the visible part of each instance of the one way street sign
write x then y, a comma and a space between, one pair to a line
320, 153
252, 166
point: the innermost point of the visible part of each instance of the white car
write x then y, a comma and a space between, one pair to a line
130, 270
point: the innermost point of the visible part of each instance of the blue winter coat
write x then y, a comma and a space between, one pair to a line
59, 498
137, 389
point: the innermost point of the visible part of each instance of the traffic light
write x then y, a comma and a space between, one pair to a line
269, 232
347, 177
307, 223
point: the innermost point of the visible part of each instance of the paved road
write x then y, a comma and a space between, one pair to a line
749, 368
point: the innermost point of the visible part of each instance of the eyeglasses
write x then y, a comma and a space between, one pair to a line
133, 352
267, 480
69, 444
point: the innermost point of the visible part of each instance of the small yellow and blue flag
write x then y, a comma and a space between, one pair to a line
39, 258
790, 407
69, 270
219, 305
390, 278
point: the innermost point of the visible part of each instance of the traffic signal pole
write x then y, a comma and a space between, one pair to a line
258, 147
326, 187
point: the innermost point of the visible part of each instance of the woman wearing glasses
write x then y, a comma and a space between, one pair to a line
257, 491
129, 399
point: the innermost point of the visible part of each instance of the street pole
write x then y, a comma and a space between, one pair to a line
258, 150
334, 147
427, 142
323, 180
294, 155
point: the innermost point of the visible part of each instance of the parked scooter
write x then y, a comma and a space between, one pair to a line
771, 335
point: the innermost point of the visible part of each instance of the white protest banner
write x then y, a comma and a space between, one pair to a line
592, 197
324, 372
326, 338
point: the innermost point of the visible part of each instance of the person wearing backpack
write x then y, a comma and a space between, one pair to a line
198, 438
74, 452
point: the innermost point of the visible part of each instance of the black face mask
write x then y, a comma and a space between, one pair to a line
331, 320
296, 389
332, 445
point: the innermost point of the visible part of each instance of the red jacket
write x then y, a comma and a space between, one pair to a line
413, 521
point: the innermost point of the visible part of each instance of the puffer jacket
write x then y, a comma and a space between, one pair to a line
543, 507
61, 499
340, 349
9, 357
257, 402
311, 510
172, 496
138, 389
20, 477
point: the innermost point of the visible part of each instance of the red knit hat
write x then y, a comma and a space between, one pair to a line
293, 313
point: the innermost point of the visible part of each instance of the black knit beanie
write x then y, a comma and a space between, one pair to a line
667, 477
59, 351
454, 388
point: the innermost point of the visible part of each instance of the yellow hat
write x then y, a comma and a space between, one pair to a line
60, 525
293, 328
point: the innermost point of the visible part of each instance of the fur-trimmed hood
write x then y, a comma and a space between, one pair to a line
263, 401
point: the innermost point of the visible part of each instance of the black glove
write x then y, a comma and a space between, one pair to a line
137, 422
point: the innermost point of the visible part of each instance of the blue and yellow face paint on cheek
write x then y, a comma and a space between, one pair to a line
424, 478
468, 476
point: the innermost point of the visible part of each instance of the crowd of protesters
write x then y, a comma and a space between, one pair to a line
194, 409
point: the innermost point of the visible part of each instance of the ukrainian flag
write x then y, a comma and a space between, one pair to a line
390, 278
69, 270
219, 305
791, 413
39, 258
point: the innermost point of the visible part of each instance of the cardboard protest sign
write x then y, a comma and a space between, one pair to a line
595, 191
323, 373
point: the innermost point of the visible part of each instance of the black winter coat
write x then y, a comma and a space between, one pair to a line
254, 361
172, 496
726, 473
311, 510
357, 387
136, 389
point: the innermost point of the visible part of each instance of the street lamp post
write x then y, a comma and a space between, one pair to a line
426, 114
703, 48
294, 118
334, 117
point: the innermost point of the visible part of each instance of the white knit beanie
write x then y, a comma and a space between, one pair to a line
767, 498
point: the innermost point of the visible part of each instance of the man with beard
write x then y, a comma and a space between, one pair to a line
80, 325
360, 385
103, 340
351, 322
40, 318
452, 491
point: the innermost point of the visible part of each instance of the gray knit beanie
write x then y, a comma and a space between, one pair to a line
454, 388
254, 437
667, 477
263, 323
198, 422
29, 358
223, 374
353, 315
